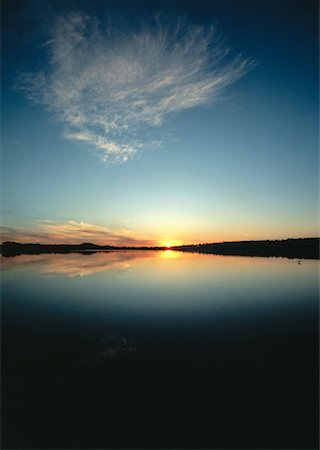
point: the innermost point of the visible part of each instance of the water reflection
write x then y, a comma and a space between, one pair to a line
75, 264
170, 254
162, 283
112, 348
108, 350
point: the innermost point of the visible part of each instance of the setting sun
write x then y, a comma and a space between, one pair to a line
170, 243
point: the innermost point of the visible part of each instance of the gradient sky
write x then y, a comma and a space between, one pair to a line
131, 122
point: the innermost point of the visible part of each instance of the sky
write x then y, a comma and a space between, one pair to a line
159, 122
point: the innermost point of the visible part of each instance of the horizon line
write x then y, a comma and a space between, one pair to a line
159, 246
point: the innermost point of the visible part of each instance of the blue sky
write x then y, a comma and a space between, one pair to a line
159, 122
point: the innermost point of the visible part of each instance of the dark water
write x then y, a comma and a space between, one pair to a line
159, 350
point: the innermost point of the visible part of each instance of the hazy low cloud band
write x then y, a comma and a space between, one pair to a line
72, 232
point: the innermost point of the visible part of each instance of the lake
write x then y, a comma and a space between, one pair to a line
146, 349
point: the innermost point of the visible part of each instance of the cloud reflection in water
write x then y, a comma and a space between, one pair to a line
76, 264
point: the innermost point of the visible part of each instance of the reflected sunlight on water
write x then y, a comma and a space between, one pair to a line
164, 282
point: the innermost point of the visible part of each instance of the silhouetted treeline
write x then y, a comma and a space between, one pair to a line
15, 248
290, 248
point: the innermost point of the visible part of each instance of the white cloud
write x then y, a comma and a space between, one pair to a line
107, 86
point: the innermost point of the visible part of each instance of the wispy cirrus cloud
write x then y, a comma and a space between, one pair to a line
107, 86
72, 232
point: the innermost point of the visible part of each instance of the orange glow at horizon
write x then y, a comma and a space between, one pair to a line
168, 243
162, 235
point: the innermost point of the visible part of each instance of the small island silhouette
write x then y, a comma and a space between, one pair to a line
302, 248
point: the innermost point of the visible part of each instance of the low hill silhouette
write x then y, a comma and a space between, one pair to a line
15, 248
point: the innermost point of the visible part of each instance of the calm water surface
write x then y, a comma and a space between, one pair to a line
159, 350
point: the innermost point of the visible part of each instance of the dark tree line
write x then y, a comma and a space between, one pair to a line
290, 248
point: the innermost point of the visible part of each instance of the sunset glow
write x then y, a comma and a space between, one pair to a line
159, 127
160, 224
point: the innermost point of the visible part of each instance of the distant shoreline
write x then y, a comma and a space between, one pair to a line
303, 248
